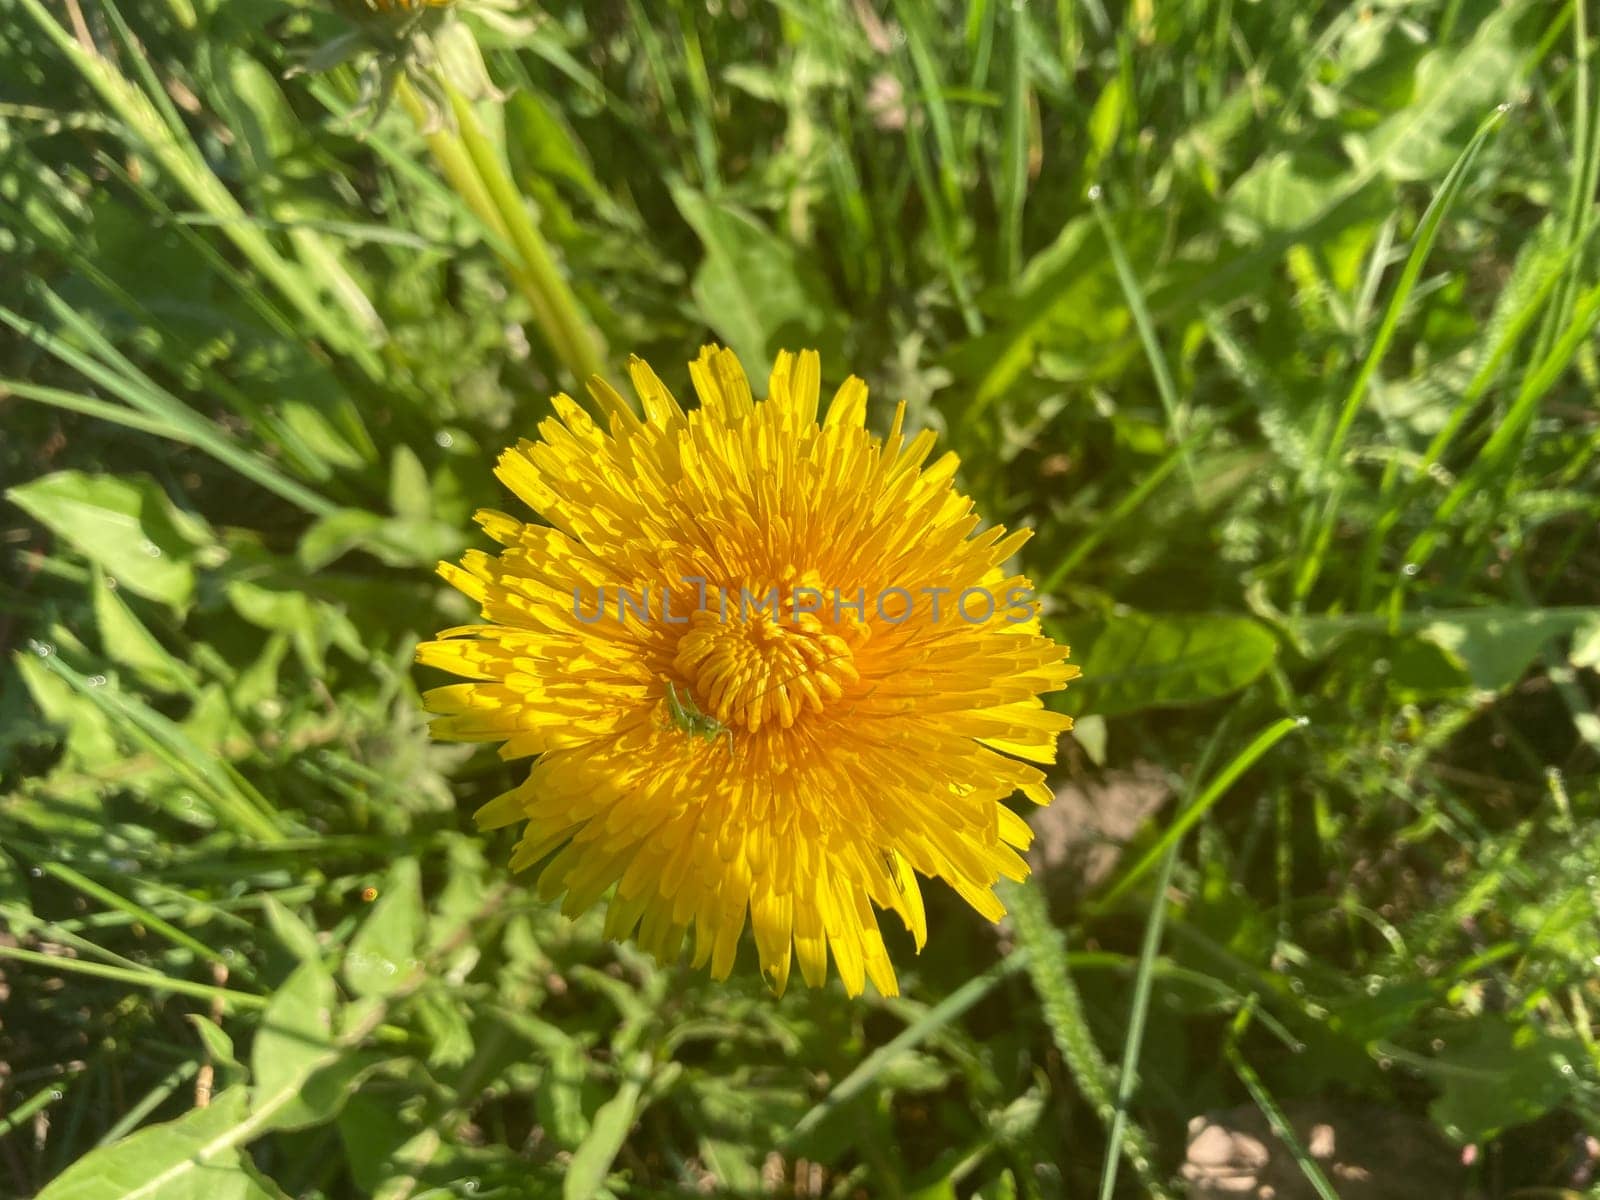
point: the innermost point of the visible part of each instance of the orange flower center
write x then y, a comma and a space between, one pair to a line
749, 668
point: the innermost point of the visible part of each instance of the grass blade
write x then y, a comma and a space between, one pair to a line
234, 801
1318, 537
1128, 1079
184, 161
873, 1065
169, 416
1012, 185
1214, 791
1507, 436
227, 997
1147, 335
1269, 1108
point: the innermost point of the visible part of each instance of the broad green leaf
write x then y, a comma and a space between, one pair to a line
411, 540
1067, 308
1105, 122
258, 682
1495, 646
325, 1090
313, 624
591, 1161
296, 1034
1492, 646
1454, 91
462, 896
1283, 191
444, 1021
753, 288
129, 642
218, 1045
301, 1074
1370, 1016
537, 134
743, 1109
1495, 1075
382, 954
269, 608
409, 493
126, 525
195, 1157
1586, 644
212, 720
335, 535
256, 110
91, 739
1421, 668
295, 935
559, 1101
1133, 661
374, 1134
327, 444
1090, 733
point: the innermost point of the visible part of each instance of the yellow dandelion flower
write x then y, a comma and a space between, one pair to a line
768, 667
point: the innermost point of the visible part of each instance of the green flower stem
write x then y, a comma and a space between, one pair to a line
452, 158
473, 167
456, 165
570, 332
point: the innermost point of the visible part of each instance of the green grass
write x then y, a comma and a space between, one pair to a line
1275, 321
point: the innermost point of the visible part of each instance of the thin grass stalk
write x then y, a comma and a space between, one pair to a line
233, 801
147, 918
1585, 171
234, 1000
1394, 508
702, 115
1128, 1081
871, 1068
1012, 185
1269, 1107
1202, 804
1157, 358
159, 413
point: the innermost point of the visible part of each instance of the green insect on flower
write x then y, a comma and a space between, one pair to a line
685, 714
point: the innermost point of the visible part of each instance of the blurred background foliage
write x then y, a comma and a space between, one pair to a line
1275, 321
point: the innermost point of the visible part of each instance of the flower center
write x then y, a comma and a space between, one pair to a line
750, 670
